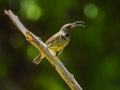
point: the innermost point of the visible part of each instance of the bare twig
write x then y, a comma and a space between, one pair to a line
56, 63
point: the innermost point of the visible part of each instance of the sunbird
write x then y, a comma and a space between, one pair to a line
58, 41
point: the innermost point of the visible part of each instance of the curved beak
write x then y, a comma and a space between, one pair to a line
77, 23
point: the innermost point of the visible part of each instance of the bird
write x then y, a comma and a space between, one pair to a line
58, 41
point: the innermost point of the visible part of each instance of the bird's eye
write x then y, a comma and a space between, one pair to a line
68, 27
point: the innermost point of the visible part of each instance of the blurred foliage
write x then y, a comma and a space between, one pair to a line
93, 55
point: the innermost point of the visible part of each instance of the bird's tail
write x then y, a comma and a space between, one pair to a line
37, 59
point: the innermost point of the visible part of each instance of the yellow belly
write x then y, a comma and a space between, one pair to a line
58, 45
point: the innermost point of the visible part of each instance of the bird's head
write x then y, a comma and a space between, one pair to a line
67, 27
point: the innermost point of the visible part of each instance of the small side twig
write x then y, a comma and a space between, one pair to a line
35, 41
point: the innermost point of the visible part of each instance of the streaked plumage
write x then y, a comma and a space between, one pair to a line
58, 41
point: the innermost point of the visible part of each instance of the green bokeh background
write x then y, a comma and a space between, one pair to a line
93, 55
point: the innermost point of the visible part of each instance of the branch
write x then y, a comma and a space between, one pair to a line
35, 41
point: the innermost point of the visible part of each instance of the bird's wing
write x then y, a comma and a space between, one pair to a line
51, 39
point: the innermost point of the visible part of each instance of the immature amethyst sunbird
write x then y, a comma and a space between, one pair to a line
58, 41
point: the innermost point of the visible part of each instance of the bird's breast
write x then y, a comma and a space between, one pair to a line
59, 43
